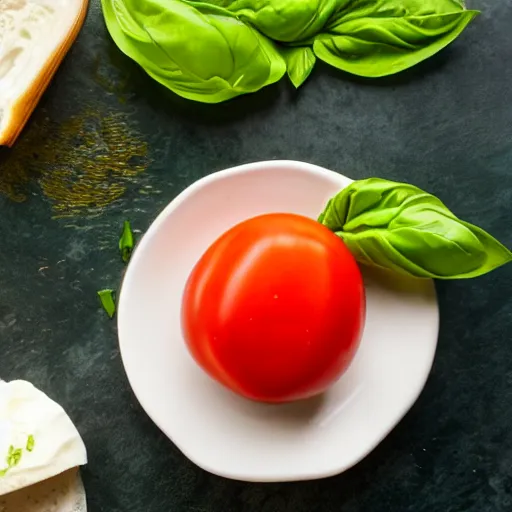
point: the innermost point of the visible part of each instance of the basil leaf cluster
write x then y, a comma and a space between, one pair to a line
215, 50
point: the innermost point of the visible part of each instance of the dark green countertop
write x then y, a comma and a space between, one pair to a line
108, 144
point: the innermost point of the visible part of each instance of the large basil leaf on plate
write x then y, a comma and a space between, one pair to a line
374, 38
200, 51
284, 20
400, 227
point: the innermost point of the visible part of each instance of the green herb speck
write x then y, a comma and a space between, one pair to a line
14, 455
126, 242
30, 443
107, 301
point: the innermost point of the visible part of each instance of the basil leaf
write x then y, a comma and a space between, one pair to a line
200, 51
375, 38
126, 242
284, 20
300, 61
402, 228
107, 301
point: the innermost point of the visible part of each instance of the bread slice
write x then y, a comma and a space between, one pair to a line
61, 493
34, 38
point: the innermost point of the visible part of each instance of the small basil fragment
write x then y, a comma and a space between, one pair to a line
107, 301
374, 38
14, 457
300, 61
400, 227
30, 443
126, 242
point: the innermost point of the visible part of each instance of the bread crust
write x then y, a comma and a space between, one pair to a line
25, 104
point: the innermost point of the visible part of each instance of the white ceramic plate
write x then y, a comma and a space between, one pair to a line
234, 437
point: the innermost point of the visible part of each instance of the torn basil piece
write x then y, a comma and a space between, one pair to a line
126, 242
107, 301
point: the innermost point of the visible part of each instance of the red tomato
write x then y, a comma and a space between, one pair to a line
274, 309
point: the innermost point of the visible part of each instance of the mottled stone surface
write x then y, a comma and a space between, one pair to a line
445, 126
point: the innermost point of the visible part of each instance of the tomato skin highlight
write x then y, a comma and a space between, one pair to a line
275, 308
